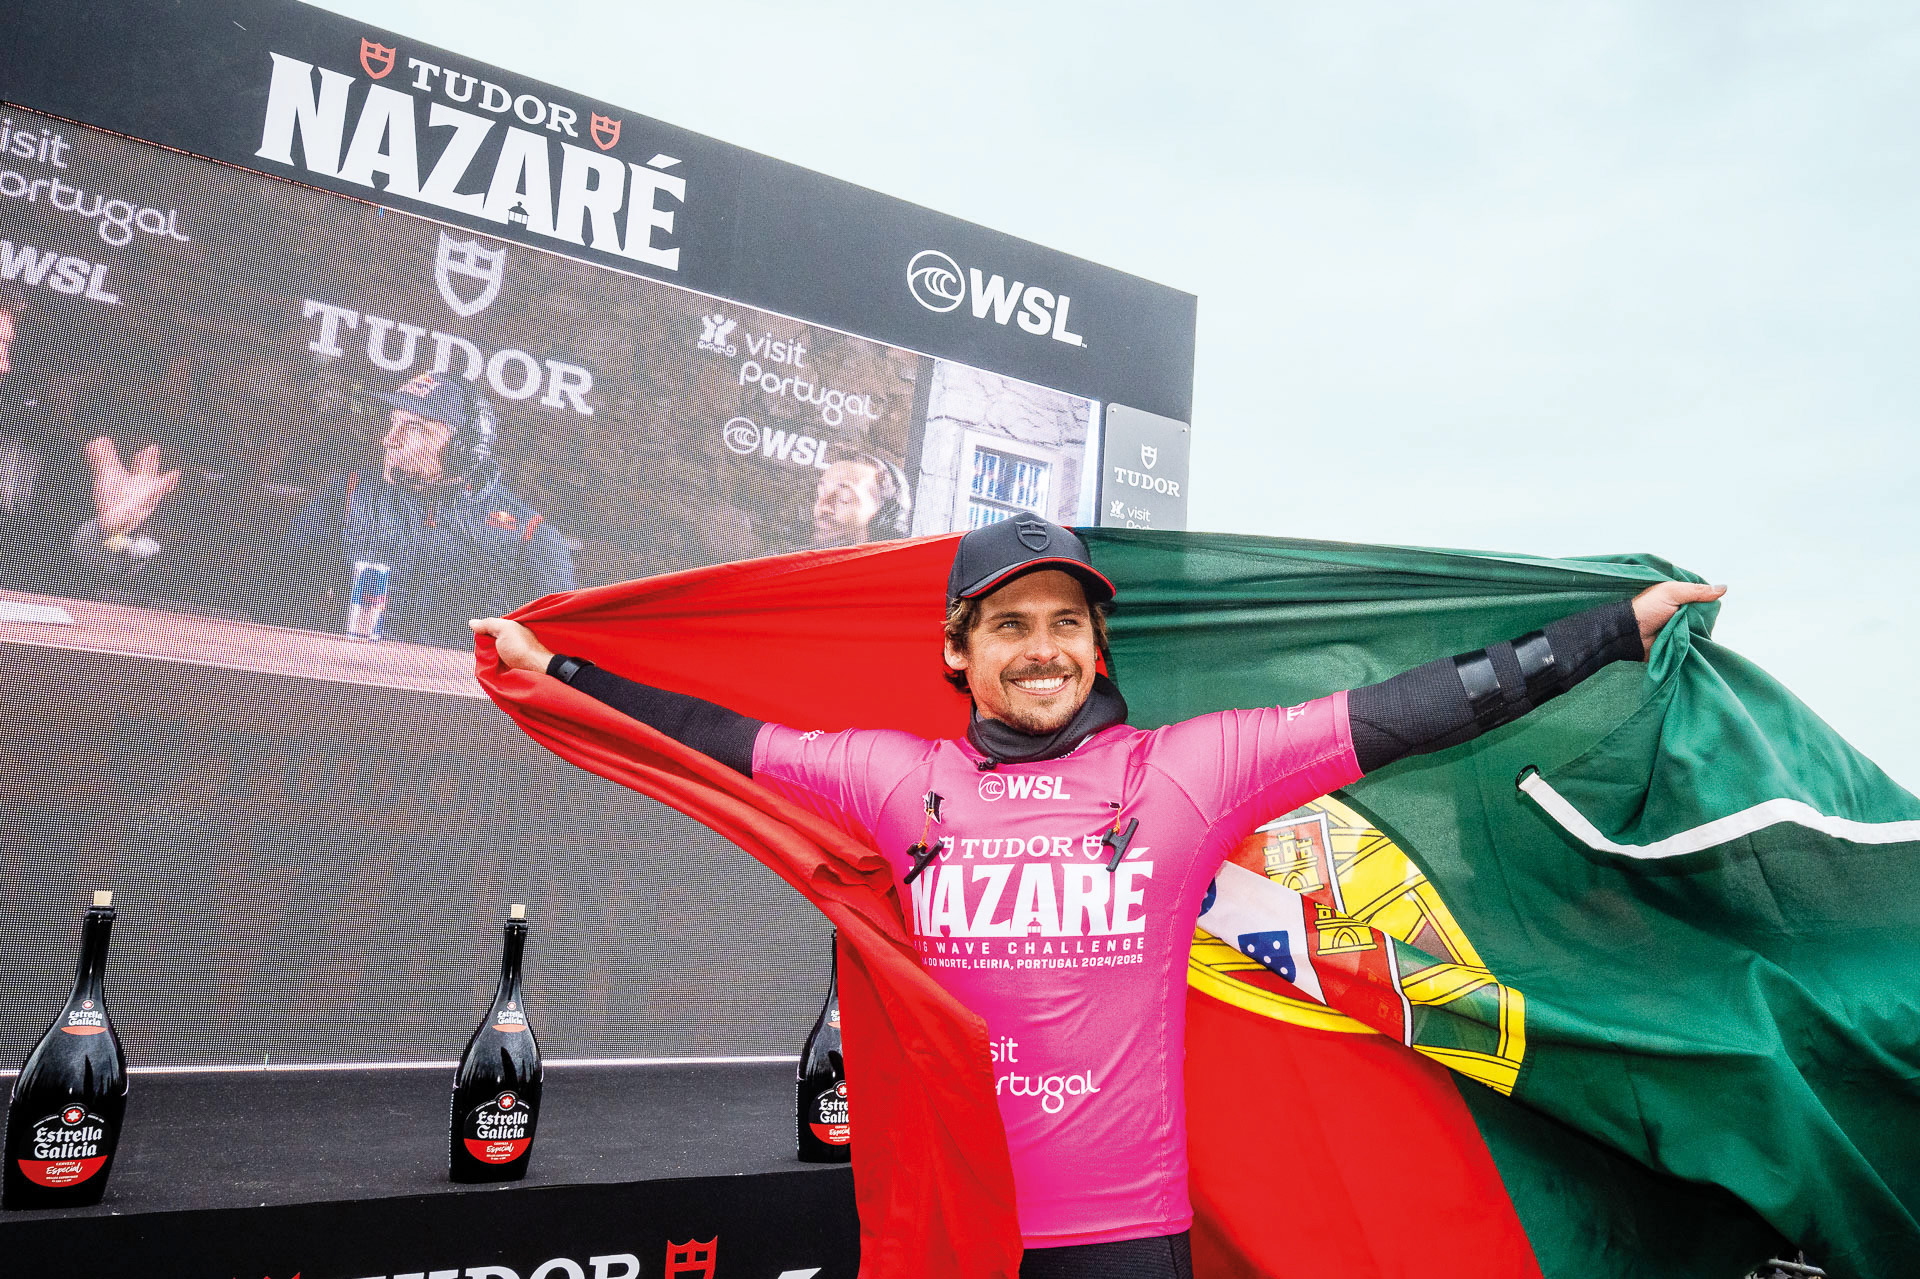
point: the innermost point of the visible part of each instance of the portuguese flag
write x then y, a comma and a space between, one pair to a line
1629, 987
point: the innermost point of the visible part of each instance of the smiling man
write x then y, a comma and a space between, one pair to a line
1073, 851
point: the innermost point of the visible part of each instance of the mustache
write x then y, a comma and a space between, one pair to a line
1065, 671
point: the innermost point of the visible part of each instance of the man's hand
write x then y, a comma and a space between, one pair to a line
123, 498
1654, 607
515, 644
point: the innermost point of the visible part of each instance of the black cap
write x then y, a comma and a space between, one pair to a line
994, 555
434, 396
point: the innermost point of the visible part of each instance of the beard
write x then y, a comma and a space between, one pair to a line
1040, 720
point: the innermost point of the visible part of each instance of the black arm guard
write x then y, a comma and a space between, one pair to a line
713, 730
1455, 699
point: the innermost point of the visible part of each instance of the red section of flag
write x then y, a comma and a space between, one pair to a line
1336, 1154
823, 640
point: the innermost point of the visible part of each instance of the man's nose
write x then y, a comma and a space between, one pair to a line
1042, 647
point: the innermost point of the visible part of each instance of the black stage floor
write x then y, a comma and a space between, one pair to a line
684, 1172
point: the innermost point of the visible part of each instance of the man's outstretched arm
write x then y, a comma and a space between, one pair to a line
711, 729
1455, 699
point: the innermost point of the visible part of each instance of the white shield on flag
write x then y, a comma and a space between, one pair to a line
466, 258
1149, 455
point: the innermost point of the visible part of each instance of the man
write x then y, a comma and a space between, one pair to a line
860, 498
44, 543
1053, 814
438, 515
40, 489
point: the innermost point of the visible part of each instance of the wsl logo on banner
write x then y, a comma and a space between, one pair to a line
744, 437
549, 177
939, 284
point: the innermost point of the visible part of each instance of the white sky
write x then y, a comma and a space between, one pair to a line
1561, 279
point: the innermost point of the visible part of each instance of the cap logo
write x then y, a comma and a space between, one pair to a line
422, 386
1033, 534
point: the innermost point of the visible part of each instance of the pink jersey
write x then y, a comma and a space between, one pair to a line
1079, 972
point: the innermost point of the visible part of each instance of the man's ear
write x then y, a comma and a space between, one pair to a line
955, 658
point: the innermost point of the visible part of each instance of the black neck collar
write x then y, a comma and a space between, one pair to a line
1002, 743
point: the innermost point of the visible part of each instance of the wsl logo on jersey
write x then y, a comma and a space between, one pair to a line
996, 786
939, 284
547, 177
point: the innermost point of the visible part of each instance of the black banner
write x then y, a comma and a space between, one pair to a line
797, 1225
302, 94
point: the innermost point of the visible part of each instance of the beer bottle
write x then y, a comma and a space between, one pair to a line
64, 1118
496, 1087
825, 1137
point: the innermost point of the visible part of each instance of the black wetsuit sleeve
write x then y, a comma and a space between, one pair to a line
1455, 699
713, 730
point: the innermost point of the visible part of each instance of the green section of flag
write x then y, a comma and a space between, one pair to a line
1745, 1015
1588, 1210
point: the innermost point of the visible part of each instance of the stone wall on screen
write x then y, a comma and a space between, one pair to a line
968, 409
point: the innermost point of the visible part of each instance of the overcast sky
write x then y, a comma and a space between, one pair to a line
1552, 278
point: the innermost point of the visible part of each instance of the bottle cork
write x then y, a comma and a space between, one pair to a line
103, 897
517, 911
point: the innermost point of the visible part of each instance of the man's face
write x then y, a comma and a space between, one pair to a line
1031, 655
845, 503
414, 446
6, 343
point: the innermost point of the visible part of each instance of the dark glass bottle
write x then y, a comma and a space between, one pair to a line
825, 1136
69, 1098
496, 1087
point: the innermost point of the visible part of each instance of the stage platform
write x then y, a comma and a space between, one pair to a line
341, 1174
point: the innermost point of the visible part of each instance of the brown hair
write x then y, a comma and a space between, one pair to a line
964, 614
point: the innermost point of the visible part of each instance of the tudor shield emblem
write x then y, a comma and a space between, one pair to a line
1149, 455
478, 269
1033, 534
376, 59
606, 132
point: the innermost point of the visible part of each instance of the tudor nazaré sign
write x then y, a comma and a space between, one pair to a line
626, 207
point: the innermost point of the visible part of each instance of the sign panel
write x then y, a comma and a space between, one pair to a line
1144, 480
264, 449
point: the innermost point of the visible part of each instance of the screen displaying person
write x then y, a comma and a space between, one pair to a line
455, 539
860, 498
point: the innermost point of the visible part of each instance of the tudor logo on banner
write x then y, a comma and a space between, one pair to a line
694, 1259
376, 59
605, 132
1149, 455
466, 258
